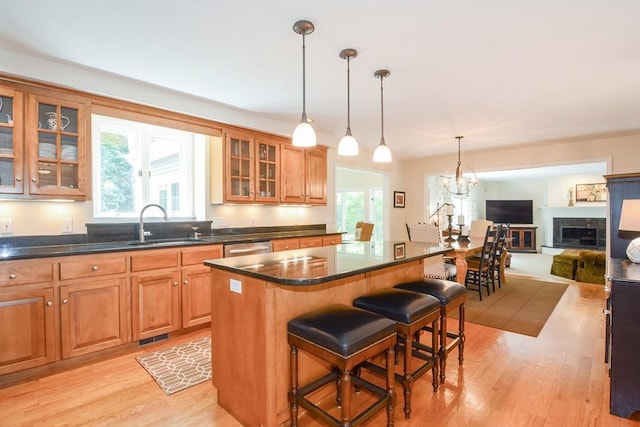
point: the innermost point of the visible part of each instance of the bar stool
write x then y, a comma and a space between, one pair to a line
344, 337
412, 312
451, 295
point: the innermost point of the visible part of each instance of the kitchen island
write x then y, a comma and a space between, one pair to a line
253, 298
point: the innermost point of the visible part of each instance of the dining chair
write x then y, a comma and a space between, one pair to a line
435, 267
478, 267
364, 230
478, 228
499, 256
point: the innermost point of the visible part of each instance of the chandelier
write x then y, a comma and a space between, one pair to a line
464, 181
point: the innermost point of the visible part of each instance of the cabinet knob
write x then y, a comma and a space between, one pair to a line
49, 303
12, 276
175, 283
186, 282
18, 179
64, 301
94, 268
33, 179
605, 311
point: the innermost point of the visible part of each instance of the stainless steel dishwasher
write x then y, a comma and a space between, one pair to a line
238, 249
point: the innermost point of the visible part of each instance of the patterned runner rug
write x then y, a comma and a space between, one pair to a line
181, 366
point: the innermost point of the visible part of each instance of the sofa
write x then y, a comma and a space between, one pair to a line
580, 265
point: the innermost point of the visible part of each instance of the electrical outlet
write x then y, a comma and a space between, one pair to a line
67, 225
219, 221
235, 286
6, 226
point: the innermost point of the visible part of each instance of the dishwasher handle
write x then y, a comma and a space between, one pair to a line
245, 251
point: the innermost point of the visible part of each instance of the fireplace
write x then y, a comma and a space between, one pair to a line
580, 233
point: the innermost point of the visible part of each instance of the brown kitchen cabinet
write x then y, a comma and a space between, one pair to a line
155, 293
196, 284
93, 304
333, 239
310, 242
252, 169
304, 175
57, 146
27, 315
12, 154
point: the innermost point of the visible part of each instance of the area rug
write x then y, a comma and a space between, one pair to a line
181, 366
522, 305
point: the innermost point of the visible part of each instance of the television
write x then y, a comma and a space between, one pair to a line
510, 211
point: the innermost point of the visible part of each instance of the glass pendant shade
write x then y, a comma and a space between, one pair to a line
348, 146
461, 185
382, 154
304, 135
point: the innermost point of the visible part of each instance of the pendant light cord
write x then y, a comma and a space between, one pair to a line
381, 110
304, 81
348, 96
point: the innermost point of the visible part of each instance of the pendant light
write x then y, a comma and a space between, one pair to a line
303, 135
348, 146
382, 154
461, 186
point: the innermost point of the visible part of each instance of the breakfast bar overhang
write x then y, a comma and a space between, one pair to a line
254, 296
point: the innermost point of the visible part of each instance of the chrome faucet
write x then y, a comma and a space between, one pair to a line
142, 232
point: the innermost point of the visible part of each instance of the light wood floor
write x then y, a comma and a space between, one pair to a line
556, 379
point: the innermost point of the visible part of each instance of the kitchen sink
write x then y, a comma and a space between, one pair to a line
166, 242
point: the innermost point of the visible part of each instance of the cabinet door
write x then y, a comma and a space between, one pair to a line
267, 171
155, 301
239, 168
27, 329
292, 187
56, 144
93, 316
196, 296
11, 142
316, 176
334, 239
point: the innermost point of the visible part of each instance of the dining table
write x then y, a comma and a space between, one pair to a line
461, 250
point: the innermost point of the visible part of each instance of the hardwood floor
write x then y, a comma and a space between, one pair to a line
556, 379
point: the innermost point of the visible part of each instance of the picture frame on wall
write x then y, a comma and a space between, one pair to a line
398, 199
591, 192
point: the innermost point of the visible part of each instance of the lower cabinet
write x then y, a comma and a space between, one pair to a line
522, 239
196, 296
93, 316
155, 303
27, 329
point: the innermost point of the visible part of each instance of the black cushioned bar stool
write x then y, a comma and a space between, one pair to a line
344, 337
412, 312
451, 295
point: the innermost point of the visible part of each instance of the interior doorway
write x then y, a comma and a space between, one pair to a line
359, 197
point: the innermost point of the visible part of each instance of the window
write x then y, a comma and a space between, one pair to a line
138, 164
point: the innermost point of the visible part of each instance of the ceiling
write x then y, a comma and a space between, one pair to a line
499, 73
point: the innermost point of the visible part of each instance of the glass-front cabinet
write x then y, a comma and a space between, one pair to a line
252, 169
56, 141
11, 142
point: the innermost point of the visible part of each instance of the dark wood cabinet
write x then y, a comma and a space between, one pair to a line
522, 239
623, 350
621, 187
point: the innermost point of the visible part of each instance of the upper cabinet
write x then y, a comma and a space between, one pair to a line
56, 143
252, 168
304, 175
43, 143
11, 141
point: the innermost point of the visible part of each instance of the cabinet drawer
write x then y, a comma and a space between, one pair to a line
332, 240
198, 255
151, 260
94, 266
310, 242
285, 244
20, 273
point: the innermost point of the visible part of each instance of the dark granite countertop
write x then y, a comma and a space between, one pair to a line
12, 252
623, 270
302, 267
